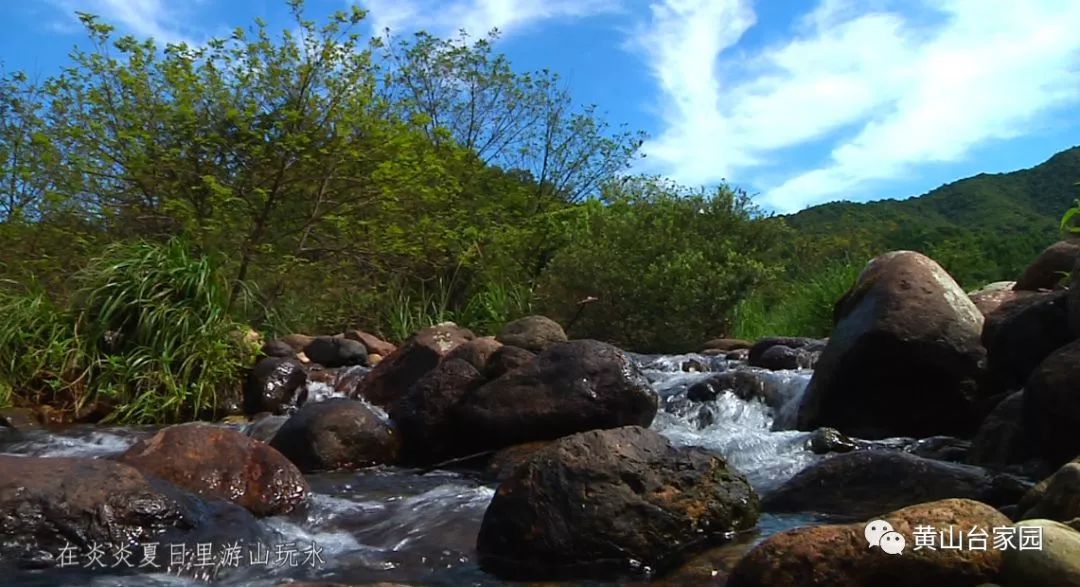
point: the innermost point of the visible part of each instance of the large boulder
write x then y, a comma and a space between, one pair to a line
398, 371
610, 503
337, 433
373, 344
1050, 268
866, 483
1001, 440
1055, 562
1052, 405
1057, 497
425, 417
840, 556
272, 386
1021, 333
532, 333
904, 358
571, 387
221, 463
51, 503
330, 351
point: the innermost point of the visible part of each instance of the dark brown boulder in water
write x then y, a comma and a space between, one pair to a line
221, 463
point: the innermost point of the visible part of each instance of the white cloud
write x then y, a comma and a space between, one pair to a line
889, 93
150, 18
477, 17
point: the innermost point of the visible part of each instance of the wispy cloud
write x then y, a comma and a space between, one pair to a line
476, 17
151, 18
884, 90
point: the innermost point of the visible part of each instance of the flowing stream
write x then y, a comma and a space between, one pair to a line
406, 526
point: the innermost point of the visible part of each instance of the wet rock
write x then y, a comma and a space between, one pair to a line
373, 344
425, 416
1052, 405
532, 333
1056, 497
1001, 440
827, 440
272, 385
221, 463
277, 348
264, 427
405, 366
728, 344
611, 503
333, 352
507, 358
780, 357
866, 483
808, 346
337, 434
477, 352
502, 464
839, 555
940, 448
746, 383
1056, 562
1021, 334
904, 358
49, 503
571, 387
1050, 268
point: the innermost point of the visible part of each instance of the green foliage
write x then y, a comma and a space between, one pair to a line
148, 333
982, 229
666, 265
802, 308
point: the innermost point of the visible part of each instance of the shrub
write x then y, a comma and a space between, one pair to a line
666, 265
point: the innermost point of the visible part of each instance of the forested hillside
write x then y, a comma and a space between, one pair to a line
982, 228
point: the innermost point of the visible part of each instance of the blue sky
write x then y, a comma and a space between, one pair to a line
798, 101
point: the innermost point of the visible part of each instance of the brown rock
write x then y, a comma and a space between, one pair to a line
47, 503
476, 352
221, 463
401, 369
1052, 405
374, 344
609, 503
1051, 266
297, 341
839, 556
728, 344
1056, 497
506, 359
532, 333
571, 387
425, 417
905, 357
337, 434
502, 463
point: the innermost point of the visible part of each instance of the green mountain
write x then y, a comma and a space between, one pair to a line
983, 228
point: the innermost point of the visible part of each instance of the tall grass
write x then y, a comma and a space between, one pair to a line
484, 311
804, 308
148, 332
